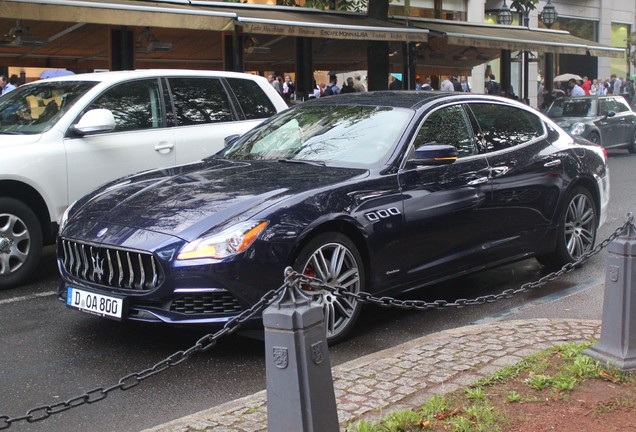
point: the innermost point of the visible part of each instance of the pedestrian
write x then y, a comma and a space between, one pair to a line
427, 84
6, 85
357, 83
348, 87
288, 89
275, 83
464, 83
332, 88
447, 85
575, 88
492, 87
396, 83
586, 85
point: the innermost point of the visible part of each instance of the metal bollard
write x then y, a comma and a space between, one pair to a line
617, 346
300, 393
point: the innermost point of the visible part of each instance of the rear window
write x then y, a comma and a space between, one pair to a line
503, 126
253, 100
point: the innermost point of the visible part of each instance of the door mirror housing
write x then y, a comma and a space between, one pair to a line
434, 154
95, 121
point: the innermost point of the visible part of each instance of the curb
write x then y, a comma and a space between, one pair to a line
407, 375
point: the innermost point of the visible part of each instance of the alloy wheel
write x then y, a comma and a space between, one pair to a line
580, 226
15, 242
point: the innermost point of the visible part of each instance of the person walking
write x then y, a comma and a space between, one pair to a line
6, 85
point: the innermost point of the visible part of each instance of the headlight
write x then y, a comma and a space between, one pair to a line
577, 128
64, 218
229, 242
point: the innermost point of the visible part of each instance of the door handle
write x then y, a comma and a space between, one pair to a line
164, 147
553, 163
478, 181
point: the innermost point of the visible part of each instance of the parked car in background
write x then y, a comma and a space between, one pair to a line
62, 137
382, 192
605, 120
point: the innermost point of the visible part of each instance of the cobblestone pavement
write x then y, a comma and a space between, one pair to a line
408, 375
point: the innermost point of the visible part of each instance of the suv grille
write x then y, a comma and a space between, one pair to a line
111, 267
217, 303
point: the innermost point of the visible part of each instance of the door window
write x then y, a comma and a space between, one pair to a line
200, 101
254, 102
135, 105
502, 126
448, 125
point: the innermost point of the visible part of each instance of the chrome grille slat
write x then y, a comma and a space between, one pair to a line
115, 268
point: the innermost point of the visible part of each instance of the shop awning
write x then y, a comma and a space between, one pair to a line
488, 36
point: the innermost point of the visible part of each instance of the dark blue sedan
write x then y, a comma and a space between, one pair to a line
380, 192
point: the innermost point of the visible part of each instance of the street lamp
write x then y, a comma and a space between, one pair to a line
504, 16
549, 15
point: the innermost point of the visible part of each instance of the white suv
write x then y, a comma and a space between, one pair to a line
60, 138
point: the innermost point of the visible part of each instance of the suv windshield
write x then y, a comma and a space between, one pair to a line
575, 107
340, 135
34, 108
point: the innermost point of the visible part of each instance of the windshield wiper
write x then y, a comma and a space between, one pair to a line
303, 161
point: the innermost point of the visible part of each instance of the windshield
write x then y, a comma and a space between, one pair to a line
573, 108
351, 136
34, 108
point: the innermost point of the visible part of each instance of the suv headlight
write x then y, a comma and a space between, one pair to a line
64, 219
577, 128
228, 242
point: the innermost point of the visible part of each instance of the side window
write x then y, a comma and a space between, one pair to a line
620, 105
135, 105
448, 125
254, 102
503, 126
200, 101
604, 106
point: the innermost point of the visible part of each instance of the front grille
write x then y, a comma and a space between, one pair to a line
209, 304
114, 268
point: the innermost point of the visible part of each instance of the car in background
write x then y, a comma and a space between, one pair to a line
606, 120
381, 192
62, 137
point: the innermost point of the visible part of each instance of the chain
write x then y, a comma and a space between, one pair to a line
310, 286
134, 379
314, 286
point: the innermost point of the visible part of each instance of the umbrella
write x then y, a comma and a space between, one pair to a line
53, 73
567, 77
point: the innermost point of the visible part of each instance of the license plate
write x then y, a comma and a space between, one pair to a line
96, 304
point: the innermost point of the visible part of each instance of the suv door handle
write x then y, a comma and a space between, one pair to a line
164, 147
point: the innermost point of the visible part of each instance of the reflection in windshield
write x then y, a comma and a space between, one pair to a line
355, 136
33, 109
573, 108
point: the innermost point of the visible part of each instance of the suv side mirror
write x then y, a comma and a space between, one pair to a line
434, 154
94, 121
230, 139
609, 114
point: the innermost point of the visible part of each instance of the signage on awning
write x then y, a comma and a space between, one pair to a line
319, 30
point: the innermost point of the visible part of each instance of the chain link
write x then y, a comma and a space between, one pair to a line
134, 379
310, 286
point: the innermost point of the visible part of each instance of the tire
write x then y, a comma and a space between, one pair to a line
631, 147
20, 242
334, 259
595, 138
576, 232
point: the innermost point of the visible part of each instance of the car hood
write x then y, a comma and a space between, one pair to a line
189, 200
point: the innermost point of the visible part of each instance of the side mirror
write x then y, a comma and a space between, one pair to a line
229, 140
609, 114
435, 154
94, 121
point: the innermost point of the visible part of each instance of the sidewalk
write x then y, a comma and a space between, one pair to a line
408, 375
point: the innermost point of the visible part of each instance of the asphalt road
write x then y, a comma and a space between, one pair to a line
51, 354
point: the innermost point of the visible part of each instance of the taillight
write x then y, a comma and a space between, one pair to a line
604, 153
